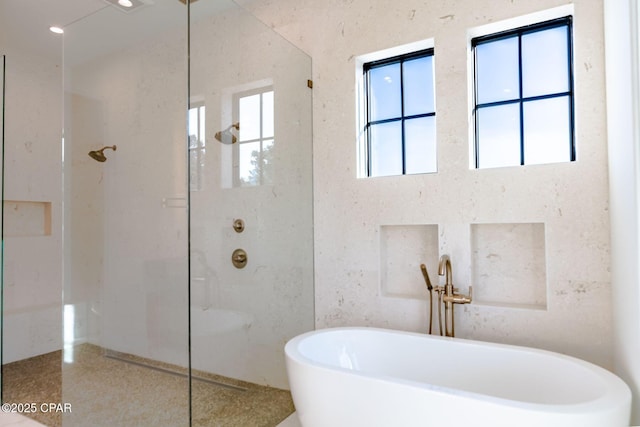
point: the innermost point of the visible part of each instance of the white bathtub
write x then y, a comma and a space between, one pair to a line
348, 377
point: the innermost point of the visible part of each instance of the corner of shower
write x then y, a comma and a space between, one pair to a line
163, 290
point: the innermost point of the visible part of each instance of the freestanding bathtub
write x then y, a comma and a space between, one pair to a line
351, 377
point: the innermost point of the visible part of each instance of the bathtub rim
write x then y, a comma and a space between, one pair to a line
616, 394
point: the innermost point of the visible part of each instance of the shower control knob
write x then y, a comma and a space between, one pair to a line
239, 258
238, 225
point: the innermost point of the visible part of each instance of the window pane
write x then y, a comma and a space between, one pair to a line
420, 145
202, 134
267, 115
385, 92
249, 117
546, 131
418, 86
266, 163
196, 166
497, 69
248, 160
386, 149
545, 62
193, 127
499, 136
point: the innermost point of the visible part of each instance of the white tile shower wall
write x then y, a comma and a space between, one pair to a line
32, 152
570, 199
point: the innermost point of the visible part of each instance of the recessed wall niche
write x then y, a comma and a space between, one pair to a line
27, 218
402, 249
508, 266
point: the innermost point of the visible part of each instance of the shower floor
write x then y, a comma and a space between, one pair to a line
114, 389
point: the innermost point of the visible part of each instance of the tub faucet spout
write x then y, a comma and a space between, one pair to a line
444, 269
450, 296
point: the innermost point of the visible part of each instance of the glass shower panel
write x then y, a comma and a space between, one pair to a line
258, 169
31, 245
1, 210
126, 155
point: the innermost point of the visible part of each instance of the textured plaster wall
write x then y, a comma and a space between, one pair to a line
32, 273
623, 95
569, 200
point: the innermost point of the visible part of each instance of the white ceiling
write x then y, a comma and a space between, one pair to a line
92, 27
25, 23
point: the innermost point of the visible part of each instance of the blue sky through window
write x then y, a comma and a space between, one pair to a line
524, 96
401, 115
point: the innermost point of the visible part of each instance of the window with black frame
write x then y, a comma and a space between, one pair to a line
523, 106
400, 130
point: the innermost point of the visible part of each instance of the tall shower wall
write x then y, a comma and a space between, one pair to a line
84, 242
32, 242
263, 305
128, 277
129, 273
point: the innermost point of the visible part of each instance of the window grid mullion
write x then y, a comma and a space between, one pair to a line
475, 112
521, 95
368, 163
572, 148
524, 99
261, 136
402, 135
246, 141
398, 118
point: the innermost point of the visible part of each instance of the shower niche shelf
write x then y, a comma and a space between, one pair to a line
27, 218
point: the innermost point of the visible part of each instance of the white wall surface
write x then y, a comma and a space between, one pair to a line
32, 261
570, 200
623, 99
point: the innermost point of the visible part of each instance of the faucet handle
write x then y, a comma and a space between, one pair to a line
468, 298
460, 299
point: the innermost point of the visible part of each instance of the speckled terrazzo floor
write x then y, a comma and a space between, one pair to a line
117, 391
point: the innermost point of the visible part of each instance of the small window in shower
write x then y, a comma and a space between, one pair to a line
197, 147
253, 154
523, 97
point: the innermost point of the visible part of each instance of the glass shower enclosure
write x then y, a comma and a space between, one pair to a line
187, 216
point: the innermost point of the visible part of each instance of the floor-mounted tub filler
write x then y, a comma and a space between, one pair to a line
350, 377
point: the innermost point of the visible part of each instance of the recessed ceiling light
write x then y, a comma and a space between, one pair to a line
56, 30
128, 6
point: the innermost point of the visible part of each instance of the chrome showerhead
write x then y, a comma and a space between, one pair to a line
99, 154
